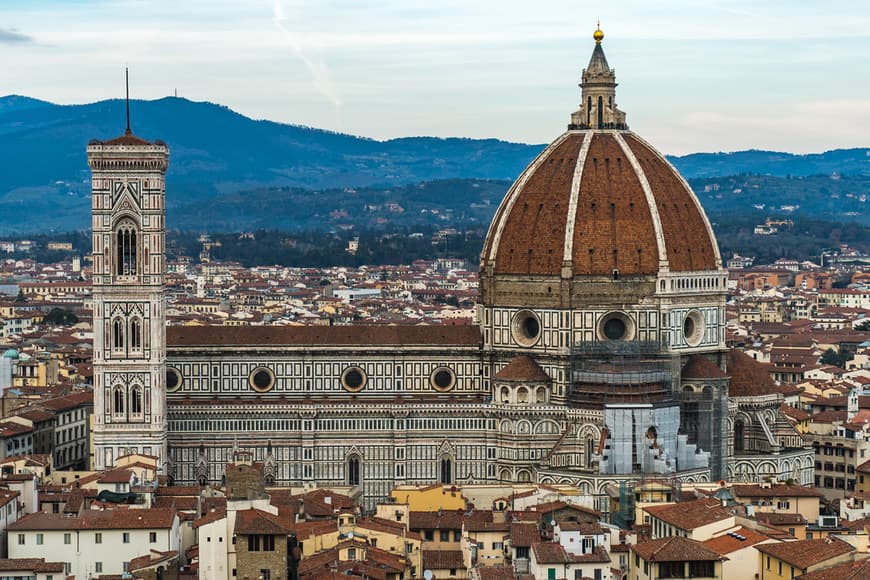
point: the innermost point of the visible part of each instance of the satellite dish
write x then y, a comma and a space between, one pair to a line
427, 574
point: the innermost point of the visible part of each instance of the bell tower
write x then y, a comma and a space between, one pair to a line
129, 240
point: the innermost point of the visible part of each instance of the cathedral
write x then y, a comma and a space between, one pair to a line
598, 355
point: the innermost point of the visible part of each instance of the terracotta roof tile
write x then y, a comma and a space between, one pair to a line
691, 514
675, 549
748, 377
254, 521
442, 559
859, 570
522, 368
805, 553
700, 367
727, 543
117, 519
404, 335
777, 490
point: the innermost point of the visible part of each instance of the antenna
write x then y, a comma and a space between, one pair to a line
127, 79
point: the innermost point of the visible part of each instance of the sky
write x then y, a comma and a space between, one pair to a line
694, 75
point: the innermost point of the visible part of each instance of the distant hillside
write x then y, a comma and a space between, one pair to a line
245, 170
841, 161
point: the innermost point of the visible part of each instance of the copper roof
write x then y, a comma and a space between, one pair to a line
601, 175
354, 335
523, 368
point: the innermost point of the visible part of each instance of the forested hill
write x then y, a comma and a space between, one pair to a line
242, 169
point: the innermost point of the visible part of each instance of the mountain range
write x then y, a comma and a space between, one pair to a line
218, 154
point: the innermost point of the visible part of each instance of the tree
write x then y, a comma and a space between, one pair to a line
60, 317
832, 357
863, 325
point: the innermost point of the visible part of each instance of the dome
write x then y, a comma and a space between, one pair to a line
599, 200
11, 353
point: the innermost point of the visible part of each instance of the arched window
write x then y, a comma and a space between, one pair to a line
522, 395
118, 334
125, 248
446, 470
353, 465
135, 334
590, 450
739, 433
505, 395
588, 110
118, 400
136, 401
600, 112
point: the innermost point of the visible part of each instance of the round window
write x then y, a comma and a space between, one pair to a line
173, 379
616, 326
442, 379
526, 328
261, 379
353, 379
693, 328
614, 329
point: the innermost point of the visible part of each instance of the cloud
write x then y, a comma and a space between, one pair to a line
319, 71
12, 36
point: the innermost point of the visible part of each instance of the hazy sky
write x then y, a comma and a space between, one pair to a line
700, 75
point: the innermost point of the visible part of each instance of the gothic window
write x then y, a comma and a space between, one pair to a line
588, 110
353, 471
739, 433
446, 470
125, 248
136, 400
135, 334
118, 400
118, 334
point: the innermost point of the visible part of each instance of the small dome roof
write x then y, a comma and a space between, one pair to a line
523, 368
11, 353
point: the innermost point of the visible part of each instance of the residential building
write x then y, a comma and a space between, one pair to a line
787, 560
96, 541
675, 557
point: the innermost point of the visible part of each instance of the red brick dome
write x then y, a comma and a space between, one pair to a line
599, 201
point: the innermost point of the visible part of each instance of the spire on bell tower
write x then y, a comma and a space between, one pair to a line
127, 82
598, 108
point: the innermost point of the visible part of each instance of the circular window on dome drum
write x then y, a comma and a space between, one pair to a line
615, 326
174, 380
443, 379
526, 328
693, 328
353, 379
262, 379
